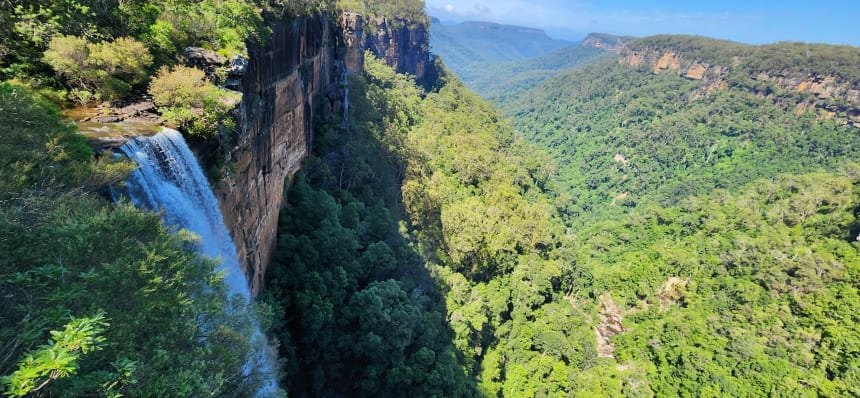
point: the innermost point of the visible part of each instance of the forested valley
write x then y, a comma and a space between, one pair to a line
693, 205
601, 223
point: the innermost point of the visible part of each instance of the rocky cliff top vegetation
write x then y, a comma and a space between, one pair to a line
411, 10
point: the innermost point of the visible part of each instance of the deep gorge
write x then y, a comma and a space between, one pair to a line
662, 216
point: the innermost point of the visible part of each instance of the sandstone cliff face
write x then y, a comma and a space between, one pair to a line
405, 46
284, 83
352, 50
663, 60
297, 72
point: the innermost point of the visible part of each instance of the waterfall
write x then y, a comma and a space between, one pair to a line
346, 98
344, 82
170, 180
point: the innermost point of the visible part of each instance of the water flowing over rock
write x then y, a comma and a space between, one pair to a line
169, 180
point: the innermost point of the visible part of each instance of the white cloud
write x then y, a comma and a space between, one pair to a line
449, 8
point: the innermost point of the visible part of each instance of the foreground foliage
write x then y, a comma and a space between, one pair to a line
106, 70
101, 50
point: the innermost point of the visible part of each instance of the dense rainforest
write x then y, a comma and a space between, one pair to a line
620, 229
711, 219
420, 196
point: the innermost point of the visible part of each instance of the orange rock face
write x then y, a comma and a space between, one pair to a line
697, 72
635, 60
667, 61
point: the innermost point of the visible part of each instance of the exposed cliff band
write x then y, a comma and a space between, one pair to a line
833, 96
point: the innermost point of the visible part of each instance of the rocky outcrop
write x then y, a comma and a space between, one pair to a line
206, 60
824, 87
827, 94
696, 72
352, 50
110, 125
611, 323
661, 60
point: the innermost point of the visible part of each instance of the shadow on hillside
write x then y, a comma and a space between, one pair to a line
363, 316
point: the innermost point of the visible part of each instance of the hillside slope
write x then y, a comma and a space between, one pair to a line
500, 80
472, 42
680, 116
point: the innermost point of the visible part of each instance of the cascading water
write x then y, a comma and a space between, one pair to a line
344, 81
170, 180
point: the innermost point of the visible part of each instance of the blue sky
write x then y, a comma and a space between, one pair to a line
750, 21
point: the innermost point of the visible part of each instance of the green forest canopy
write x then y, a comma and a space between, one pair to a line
700, 281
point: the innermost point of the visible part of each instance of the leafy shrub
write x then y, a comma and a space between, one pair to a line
408, 9
57, 359
191, 102
220, 25
107, 69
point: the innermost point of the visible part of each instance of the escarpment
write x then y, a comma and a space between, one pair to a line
795, 75
294, 74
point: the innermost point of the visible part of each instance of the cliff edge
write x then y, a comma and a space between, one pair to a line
289, 79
